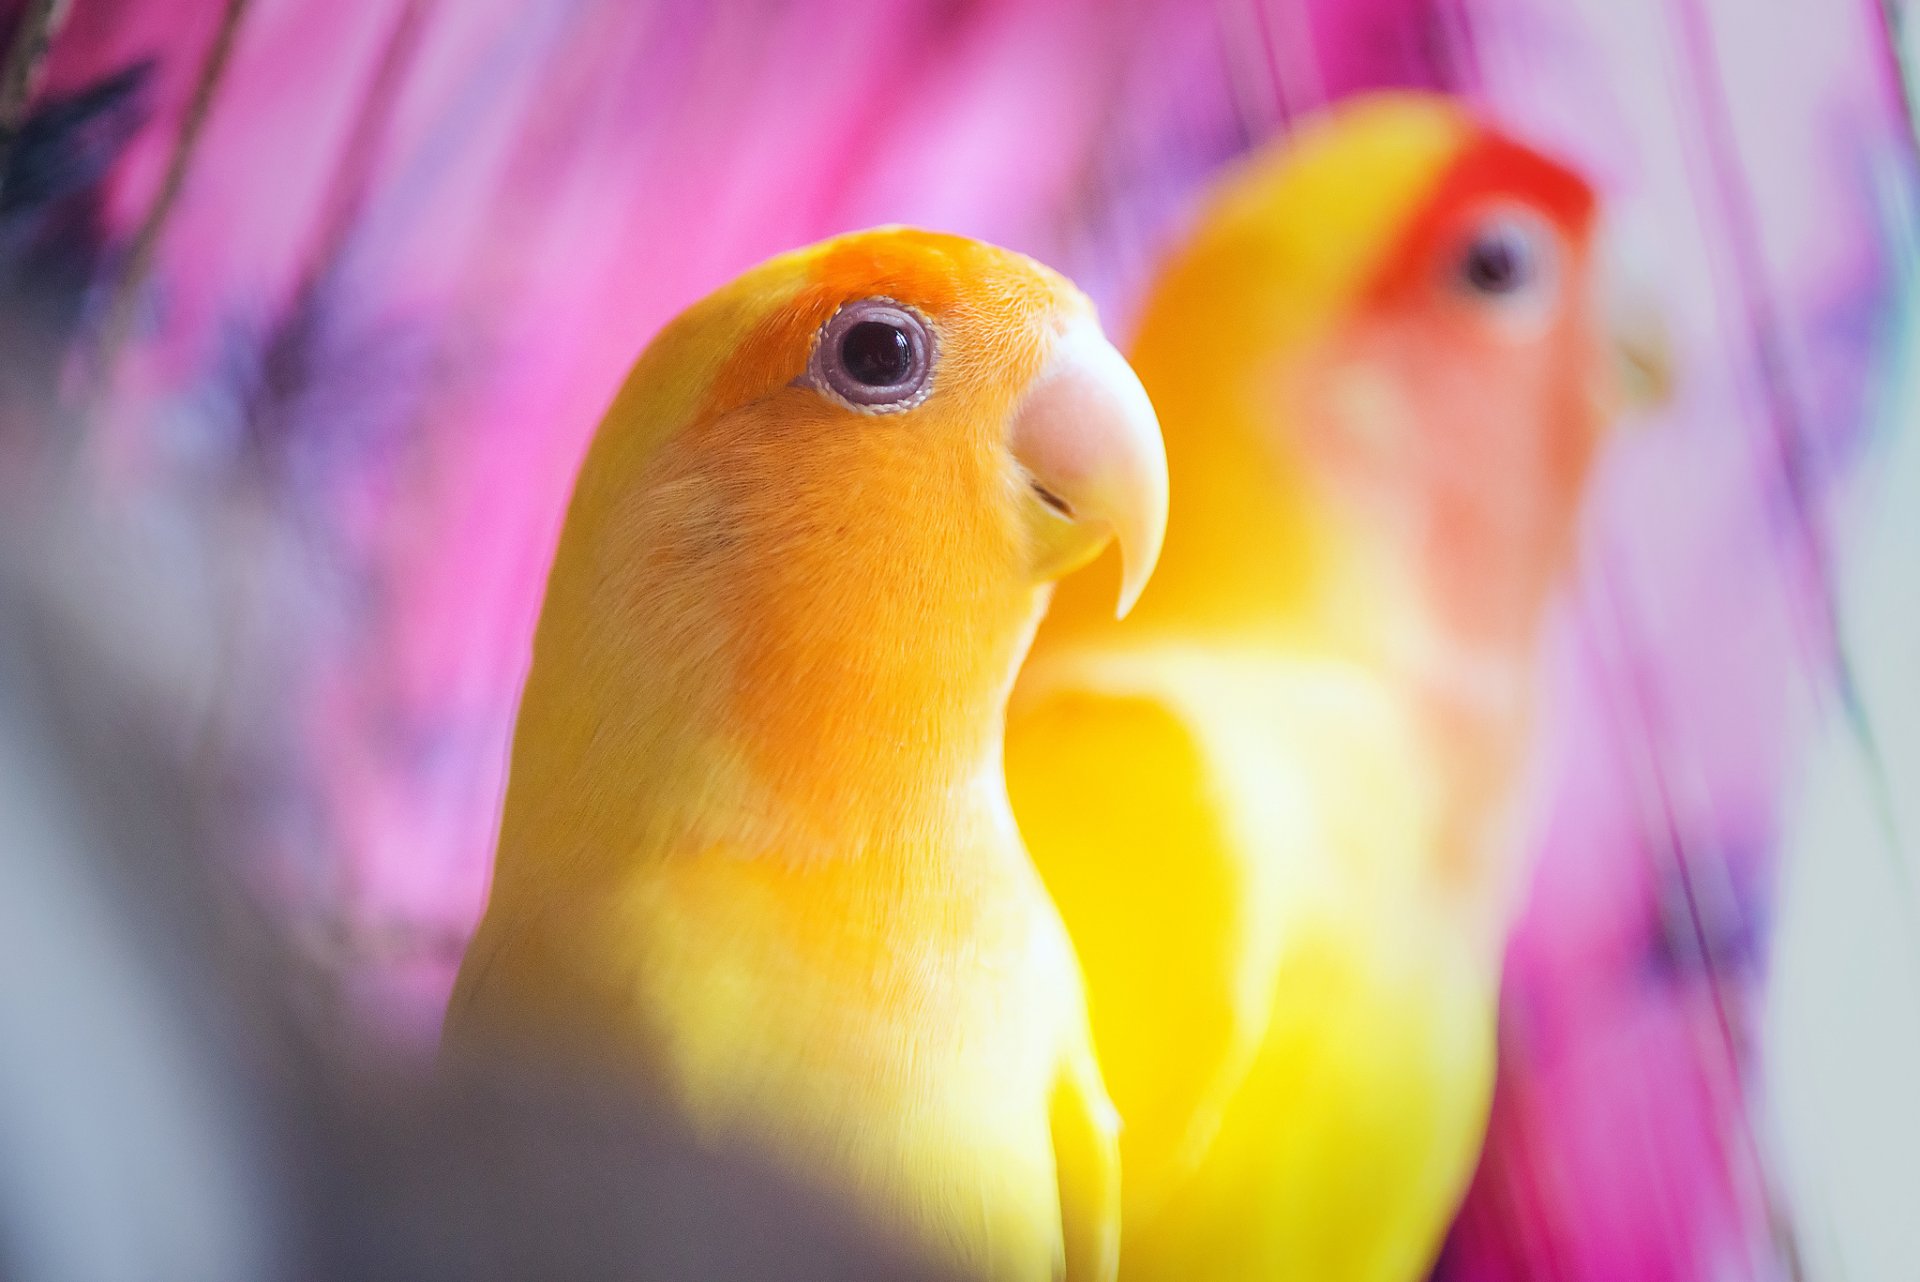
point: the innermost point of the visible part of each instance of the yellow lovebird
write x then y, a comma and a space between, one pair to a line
1271, 803
757, 857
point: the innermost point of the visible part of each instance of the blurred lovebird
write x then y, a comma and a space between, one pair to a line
757, 859
1272, 803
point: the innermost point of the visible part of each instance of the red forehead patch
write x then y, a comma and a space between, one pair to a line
1496, 165
1491, 167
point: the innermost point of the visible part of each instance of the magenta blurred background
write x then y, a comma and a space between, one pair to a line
358, 278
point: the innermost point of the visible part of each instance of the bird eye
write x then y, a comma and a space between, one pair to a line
875, 355
1507, 256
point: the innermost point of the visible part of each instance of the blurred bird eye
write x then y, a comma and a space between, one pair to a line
1507, 256
876, 355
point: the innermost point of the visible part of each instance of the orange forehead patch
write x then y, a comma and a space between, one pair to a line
941, 275
910, 267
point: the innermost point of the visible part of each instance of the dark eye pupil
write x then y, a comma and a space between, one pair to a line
877, 354
1497, 263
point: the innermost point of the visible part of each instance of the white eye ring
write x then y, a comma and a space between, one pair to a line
1509, 261
874, 355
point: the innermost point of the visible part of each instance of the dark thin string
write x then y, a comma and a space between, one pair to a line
353, 182
146, 241
1787, 429
1626, 696
1788, 436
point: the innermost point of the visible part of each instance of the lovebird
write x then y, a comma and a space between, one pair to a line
1273, 803
757, 860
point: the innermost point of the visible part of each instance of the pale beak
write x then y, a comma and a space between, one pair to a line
1636, 327
1090, 443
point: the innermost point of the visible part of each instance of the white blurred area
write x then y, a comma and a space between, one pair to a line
1842, 1043
129, 1148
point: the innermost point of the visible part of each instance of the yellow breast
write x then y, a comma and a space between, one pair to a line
893, 1044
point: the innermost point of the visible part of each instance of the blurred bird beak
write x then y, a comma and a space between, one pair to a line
1636, 328
1090, 443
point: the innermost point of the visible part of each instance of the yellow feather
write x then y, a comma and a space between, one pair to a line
1270, 803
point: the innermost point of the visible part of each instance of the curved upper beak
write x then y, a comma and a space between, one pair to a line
1635, 322
1090, 443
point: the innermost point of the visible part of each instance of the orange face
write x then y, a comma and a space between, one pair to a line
1457, 405
789, 514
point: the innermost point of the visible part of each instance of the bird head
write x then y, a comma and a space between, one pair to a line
886, 392
1393, 321
814, 531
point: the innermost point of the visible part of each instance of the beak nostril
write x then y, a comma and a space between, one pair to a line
1635, 320
1085, 439
1646, 369
1052, 500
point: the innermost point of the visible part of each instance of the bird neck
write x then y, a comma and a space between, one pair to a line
865, 727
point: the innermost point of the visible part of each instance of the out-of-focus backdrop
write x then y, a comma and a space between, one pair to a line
308, 308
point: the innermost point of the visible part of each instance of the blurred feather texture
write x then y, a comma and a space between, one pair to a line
320, 302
